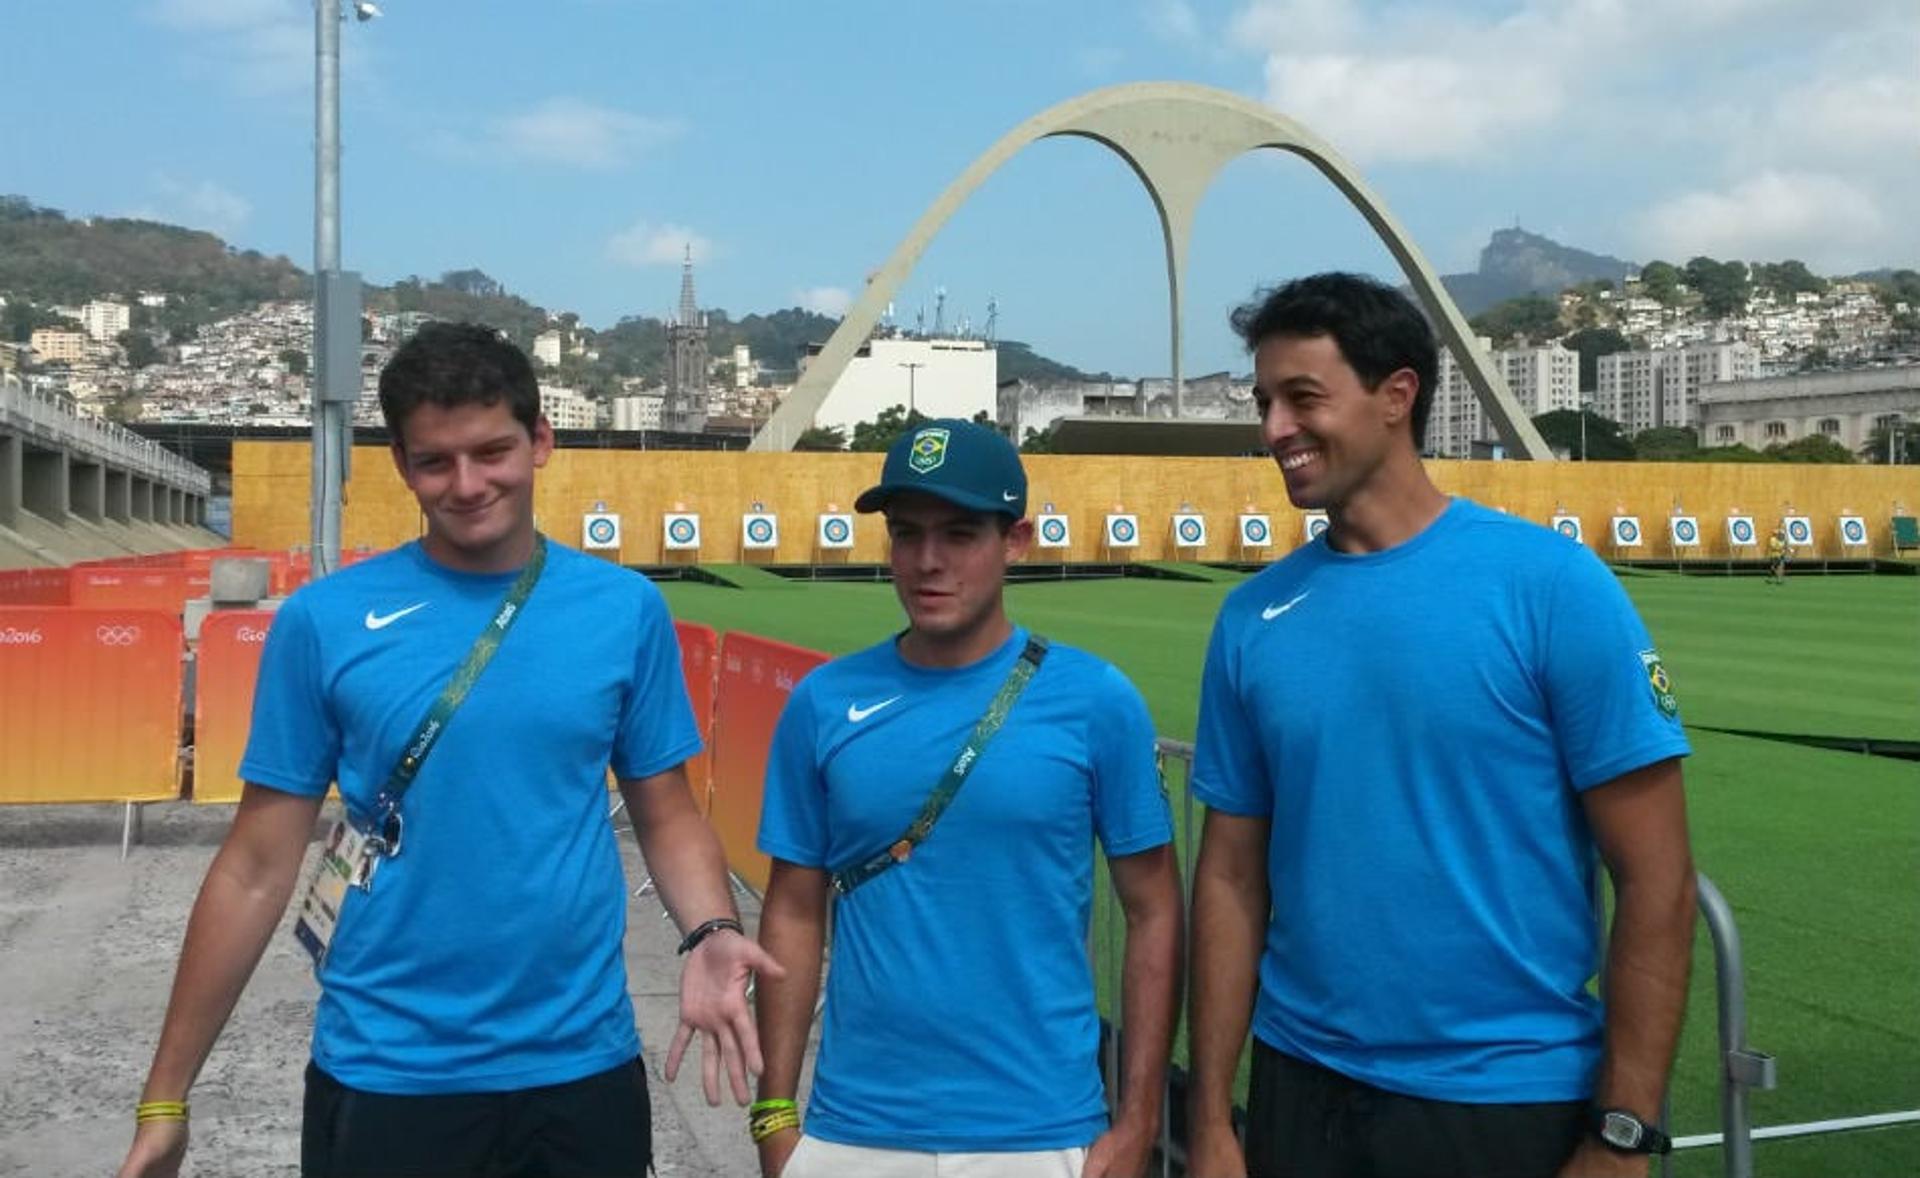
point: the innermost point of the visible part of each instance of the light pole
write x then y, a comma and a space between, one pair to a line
336, 295
911, 367
1584, 406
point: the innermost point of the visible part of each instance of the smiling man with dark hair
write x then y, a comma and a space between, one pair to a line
1414, 734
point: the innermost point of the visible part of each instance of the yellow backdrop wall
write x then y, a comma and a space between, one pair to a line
271, 488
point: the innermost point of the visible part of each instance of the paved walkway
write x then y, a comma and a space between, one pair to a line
87, 948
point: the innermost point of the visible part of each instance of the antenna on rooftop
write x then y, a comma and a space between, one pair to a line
993, 318
939, 310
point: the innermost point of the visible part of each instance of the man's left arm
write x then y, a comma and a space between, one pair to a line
1148, 884
1639, 821
690, 870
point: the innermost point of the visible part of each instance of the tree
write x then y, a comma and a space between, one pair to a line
1660, 281
1666, 443
1037, 441
1591, 344
1812, 448
295, 360
882, 432
1605, 443
1722, 286
1532, 316
1787, 279
821, 439
1738, 452
139, 348
1902, 448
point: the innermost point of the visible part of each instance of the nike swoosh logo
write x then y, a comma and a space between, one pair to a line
856, 713
382, 621
1009, 496
1274, 611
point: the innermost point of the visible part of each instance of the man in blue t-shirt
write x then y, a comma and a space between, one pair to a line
960, 1034
473, 1016
1414, 733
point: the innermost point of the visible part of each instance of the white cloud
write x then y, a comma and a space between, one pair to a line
1770, 216
644, 243
198, 204
265, 46
581, 134
831, 301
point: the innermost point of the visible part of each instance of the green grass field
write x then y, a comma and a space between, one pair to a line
1816, 850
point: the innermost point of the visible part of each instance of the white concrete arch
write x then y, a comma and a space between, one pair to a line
1176, 137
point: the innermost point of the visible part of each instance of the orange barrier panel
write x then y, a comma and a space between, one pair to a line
120, 587
89, 705
228, 662
36, 587
756, 676
699, 661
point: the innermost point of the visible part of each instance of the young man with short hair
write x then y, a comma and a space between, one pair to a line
473, 1016
960, 1033
1414, 734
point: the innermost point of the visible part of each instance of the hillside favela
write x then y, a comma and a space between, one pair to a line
1222, 588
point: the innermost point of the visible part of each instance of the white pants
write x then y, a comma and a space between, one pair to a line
814, 1158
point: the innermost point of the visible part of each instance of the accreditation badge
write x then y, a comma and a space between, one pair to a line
346, 860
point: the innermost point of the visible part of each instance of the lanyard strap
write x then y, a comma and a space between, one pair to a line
849, 878
386, 805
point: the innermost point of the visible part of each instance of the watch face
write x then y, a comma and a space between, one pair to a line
1621, 1130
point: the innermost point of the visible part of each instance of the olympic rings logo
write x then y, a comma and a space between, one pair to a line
111, 635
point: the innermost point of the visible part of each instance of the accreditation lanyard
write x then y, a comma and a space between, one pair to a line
849, 878
387, 828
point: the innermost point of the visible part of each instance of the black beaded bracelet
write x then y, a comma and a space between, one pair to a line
707, 929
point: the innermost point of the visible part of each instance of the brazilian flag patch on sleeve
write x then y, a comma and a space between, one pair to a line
1660, 683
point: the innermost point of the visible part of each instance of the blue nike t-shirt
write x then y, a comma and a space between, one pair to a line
487, 956
960, 1009
1418, 724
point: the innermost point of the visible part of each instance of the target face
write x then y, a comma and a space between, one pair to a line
1741, 530
1626, 531
1568, 526
760, 530
602, 531
682, 532
1254, 530
836, 530
1053, 531
1316, 525
1853, 531
1799, 531
1190, 531
1122, 531
1686, 531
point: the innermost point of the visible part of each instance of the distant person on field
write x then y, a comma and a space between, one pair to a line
960, 1033
474, 1017
1414, 732
1779, 552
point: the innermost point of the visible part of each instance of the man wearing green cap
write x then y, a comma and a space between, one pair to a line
960, 1034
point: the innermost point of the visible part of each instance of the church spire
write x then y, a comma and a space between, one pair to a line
689, 311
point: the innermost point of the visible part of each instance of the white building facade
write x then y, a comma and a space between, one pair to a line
1649, 390
938, 377
568, 409
105, 321
1844, 406
1542, 379
638, 411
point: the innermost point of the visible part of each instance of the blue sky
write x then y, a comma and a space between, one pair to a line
571, 148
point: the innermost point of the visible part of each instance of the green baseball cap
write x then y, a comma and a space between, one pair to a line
963, 462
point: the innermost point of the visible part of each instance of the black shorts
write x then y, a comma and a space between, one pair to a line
1305, 1121
597, 1127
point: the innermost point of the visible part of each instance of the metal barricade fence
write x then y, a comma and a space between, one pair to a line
1742, 1068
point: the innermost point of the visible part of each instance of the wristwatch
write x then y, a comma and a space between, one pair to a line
1621, 1131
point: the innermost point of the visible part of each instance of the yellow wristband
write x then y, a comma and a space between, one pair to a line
766, 1127
160, 1110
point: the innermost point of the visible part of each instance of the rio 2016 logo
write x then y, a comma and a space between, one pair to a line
249, 635
13, 636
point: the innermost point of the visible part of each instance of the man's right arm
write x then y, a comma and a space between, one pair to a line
1230, 909
793, 929
240, 904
